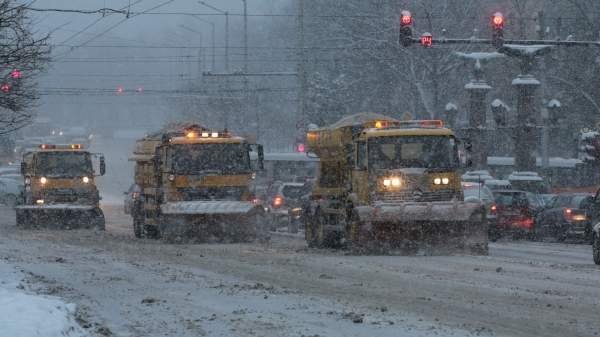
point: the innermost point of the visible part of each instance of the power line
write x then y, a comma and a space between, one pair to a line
284, 15
116, 25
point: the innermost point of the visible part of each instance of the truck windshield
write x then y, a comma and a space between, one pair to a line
215, 158
413, 152
63, 164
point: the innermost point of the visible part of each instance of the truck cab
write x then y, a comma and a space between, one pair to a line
59, 184
191, 175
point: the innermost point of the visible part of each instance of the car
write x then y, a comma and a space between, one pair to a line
529, 181
593, 213
476, 176
475, 192
548, 198
566, 217
131, 195
498, 184
10, 191
286, 206
515, 214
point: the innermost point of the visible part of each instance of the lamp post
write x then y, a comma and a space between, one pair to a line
478, 90
226, 14
526, 85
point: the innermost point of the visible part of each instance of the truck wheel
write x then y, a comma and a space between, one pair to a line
596, 248
138, 227
314, 230
100, 222
10, 200
293, 225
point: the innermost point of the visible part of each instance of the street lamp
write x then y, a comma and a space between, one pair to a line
226, 13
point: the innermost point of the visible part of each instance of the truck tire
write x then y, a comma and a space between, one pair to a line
596, 249
314, 230
138, 227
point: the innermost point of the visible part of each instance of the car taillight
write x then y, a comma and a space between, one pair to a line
277, 201
568, 213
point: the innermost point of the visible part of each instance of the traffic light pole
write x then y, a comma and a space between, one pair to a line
526, 51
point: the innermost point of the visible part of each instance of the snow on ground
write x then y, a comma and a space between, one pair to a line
27, 315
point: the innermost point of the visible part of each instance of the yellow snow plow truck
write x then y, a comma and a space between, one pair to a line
389, 186
60, 189
196, 185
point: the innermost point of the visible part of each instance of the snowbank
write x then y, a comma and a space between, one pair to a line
25, 315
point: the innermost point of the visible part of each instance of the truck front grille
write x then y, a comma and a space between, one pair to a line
412, 196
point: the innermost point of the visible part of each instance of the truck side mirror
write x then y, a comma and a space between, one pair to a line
23, 168
102, 166
261, 157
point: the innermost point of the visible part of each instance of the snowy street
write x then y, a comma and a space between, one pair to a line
128, 287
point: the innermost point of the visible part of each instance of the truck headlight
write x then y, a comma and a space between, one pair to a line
43, 180
441, 181
392, 182
86, 180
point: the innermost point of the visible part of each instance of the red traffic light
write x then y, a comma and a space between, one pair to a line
406, 18
16, 74
301, 148
498, 20
5, 88
426, 40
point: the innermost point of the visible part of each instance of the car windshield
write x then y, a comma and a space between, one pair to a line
477, 192
210, 158
63, 164
532, 186
572, 201
512, 199
413, 152
293, 192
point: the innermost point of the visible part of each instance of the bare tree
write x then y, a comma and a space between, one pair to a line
23, 56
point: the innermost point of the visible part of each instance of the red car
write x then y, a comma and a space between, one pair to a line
515, 214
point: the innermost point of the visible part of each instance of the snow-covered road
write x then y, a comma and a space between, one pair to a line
128, 287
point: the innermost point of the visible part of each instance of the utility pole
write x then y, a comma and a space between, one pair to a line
301, 67
245, 67
541, 30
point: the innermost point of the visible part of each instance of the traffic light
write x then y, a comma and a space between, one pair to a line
427, 40
589, 146
497, 30
300, 148
15, 74
406, 21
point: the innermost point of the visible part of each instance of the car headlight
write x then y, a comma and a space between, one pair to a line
437, 181
43, 180
387, 182
171, 177
445, 181
86, 180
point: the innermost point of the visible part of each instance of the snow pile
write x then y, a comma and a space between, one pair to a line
25, 315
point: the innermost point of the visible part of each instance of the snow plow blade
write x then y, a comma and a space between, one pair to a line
221, 221
423, 228
60, 216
